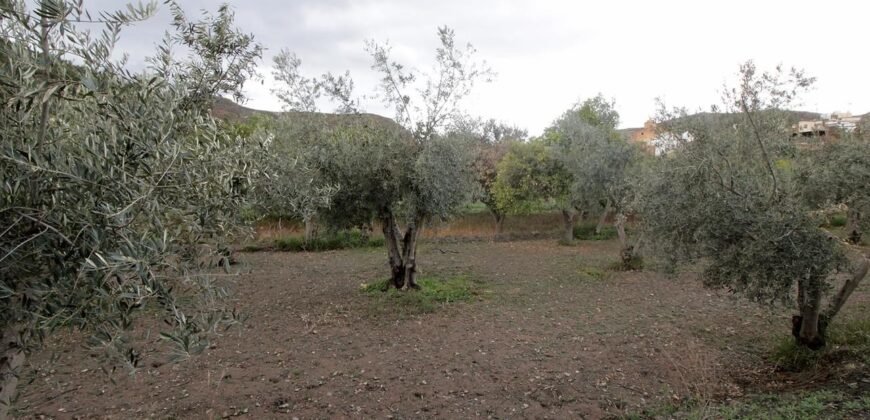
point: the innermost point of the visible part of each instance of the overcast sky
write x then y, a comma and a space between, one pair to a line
549, 54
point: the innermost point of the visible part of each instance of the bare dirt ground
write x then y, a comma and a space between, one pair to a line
552, 335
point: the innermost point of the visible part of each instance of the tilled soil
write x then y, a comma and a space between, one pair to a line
552, 335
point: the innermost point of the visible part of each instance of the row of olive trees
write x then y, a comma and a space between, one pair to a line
580, 163
117, 188
737, 193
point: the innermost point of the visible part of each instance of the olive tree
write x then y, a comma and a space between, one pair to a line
585, 140
116, 187
489, 141
298, 130
403, 172
570, 164
600, 163
726, 196
530, 174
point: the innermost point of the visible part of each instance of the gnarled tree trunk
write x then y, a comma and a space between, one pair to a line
11, 361
402, 250
569, 218
629, 253
811, 332
809, 327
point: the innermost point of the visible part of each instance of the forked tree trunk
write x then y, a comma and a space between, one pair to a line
603, 218
402, 252
11, 361
569, 218
853, 225
809, 327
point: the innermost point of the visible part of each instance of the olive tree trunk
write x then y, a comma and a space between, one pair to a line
853, 225
310, 229
809, 328
11, 361
603, 218
499, 221
629, 253
402, 250
569, 218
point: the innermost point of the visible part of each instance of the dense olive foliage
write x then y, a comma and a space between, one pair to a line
118, 188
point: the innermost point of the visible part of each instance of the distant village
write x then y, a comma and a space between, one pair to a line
807, 132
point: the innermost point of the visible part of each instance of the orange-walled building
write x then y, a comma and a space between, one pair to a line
645, 136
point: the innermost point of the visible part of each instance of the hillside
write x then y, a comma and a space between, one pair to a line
226, 109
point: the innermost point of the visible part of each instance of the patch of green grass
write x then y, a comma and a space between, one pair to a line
433, 294
849, 337
808, 405
343, 240
475, 207
586, 232
591, 273
837, 220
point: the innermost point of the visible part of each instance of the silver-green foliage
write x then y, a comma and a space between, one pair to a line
116, 187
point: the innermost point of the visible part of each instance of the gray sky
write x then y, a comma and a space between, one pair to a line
549, 54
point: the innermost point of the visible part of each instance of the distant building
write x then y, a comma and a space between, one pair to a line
655, 142
811, 128
827, 125
645, 136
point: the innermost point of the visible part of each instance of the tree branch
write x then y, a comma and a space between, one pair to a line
763, 149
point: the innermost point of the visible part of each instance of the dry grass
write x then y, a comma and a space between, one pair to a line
471, 226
